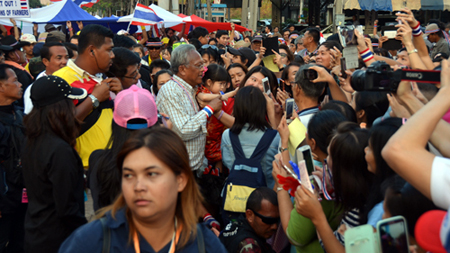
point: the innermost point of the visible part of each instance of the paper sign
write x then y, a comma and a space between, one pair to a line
268, 63
14, 9
351, 57
297, 133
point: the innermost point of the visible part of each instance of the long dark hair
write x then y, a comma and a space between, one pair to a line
249, 108
374, 104
351, 178
321, 127
58, 119
379, 136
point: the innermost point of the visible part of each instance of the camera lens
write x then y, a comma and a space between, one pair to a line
357, 81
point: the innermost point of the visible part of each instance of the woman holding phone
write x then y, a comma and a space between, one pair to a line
157, 207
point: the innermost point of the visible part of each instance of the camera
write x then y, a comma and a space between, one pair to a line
380, 77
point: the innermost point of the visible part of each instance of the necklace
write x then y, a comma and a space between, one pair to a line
175, 238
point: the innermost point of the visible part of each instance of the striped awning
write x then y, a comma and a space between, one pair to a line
396, 5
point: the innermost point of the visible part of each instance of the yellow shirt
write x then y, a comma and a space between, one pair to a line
98, 135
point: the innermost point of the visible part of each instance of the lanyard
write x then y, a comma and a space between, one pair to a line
175, 238
187, 93
324, 180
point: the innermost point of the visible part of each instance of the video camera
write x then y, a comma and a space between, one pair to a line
380, 77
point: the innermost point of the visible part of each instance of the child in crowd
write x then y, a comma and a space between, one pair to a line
215, 78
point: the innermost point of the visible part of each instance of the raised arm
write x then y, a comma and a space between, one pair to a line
405, 32
418, 40
405, 152
144, 36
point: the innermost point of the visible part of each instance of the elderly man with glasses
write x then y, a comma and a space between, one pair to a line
177, 99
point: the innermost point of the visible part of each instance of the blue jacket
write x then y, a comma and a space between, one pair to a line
249, 140
89, 238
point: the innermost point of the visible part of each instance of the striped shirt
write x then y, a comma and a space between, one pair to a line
177, 99
350, 220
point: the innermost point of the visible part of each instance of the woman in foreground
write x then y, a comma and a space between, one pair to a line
156, 211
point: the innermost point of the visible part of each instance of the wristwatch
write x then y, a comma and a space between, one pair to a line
283, 149
413, 51
95, 102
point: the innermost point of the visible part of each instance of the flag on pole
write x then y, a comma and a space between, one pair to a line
144, 15
86, 3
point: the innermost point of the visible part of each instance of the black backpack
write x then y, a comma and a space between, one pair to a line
245, 175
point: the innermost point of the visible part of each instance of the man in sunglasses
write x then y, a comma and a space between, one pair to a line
154, 50
250, 232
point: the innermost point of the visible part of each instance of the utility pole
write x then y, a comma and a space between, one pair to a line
244, 14
208, 6
276, 13
191, 7
252, 23
339, 18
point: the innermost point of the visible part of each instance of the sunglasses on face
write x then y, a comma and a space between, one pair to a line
267, 220
154, 48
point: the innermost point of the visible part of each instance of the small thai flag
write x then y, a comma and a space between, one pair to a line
23, 4
86, 3
144, 15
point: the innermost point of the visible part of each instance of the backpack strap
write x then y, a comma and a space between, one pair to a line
106, 236
264, 144
237, 147
200, 240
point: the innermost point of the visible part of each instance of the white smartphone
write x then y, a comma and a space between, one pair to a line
390, 34
304, 176
289, 109
266, 85
393, 235
304, 153
361, 239
360, 29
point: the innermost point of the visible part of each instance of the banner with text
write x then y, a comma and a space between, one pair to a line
14, 9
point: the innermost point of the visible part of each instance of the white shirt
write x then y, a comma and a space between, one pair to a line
440, 182
27, 96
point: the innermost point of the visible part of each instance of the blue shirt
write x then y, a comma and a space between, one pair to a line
249, 140
89, 238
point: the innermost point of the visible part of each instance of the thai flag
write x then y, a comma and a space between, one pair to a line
155, 31
85, 3
23, 4
144, 15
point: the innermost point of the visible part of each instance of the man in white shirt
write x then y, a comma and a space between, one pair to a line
54, 57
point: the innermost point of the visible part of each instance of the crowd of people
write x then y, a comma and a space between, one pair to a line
189, 142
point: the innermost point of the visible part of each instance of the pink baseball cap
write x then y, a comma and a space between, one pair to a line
135, 103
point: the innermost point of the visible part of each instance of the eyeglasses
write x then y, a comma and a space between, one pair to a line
133, 77
267, 220
210, 46
197, 67
154, 48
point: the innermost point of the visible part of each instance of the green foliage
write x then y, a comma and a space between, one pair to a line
34, 3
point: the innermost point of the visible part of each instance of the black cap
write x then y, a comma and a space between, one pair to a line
12, 43
244, 51
48, 90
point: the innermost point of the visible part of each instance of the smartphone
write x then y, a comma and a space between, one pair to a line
390, 34
341, 38
304, 176
360, 29
266, 85
361, 239
310, 74
393, 235
343, 68
350, 38
289, 109
304, 153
